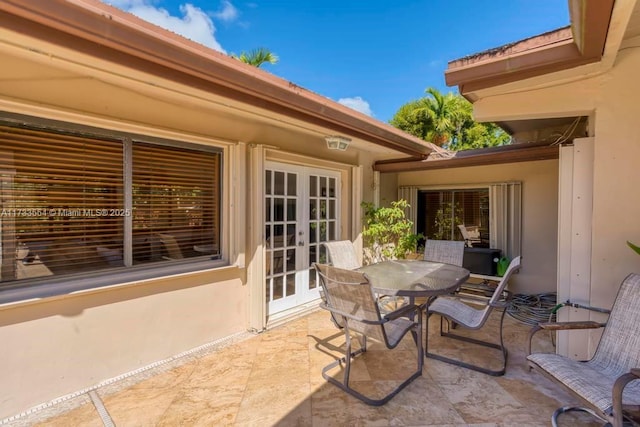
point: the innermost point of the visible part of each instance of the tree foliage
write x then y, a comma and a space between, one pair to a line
388, 232
257, 57
447, 121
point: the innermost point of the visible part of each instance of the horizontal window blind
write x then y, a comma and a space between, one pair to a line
66, 206
175, 202
440, 213
62, 201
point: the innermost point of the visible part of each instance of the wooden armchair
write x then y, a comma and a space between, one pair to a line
607, 383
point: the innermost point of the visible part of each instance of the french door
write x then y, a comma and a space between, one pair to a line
302, 207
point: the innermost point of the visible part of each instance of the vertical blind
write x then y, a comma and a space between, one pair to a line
64, 208
496, 211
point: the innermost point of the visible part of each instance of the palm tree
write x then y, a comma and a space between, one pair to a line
447, 120
446, 114
257, 57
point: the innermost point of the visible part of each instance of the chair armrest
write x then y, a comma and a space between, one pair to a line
618, 388
403, 311
499, 304
561, 326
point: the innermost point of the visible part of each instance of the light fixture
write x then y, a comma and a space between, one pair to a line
336, 142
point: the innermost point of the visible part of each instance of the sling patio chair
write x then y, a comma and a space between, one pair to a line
349, 297
342, 254
458, 311
445, 251
608, 383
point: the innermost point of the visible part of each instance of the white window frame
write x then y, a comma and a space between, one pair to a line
505, 211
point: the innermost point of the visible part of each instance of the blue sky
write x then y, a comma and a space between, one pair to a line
370, 55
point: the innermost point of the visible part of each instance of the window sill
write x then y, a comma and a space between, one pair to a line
37, 290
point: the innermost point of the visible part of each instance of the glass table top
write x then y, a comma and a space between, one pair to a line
414, 277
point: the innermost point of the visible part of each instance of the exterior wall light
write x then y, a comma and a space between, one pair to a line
336, 142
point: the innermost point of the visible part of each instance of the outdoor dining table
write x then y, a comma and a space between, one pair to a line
414, 278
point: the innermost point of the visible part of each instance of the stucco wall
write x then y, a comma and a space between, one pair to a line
539, 212
610, 98
62, 345
388, 188
616, 196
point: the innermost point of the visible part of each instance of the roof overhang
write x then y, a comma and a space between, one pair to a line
481, 157
581, 43
99, 30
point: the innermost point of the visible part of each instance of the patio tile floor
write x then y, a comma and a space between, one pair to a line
274, 378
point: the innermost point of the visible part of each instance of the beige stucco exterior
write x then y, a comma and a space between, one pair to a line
606, 92
58, 345
62, 345
539, 211
610, 101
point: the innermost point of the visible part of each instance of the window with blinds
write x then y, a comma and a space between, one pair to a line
440, 212
175, 202
67, 208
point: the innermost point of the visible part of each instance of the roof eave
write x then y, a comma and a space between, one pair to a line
589, 26
121, 37
481, 157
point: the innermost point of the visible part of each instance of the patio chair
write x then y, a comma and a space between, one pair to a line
445, 251
607, 382
470, 234
171, 246
350, 297
457, 311
342, 254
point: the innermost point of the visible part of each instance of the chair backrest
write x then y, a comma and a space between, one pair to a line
171, 245
445, 251
514, 266
470, 234
619, 347
350, 292
342, 254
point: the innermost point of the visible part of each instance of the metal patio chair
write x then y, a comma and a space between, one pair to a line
342, 254
445, 251
609, 382
457, 311
349, 296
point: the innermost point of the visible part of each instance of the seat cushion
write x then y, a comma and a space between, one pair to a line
585, 379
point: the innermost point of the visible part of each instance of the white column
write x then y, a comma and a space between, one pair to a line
255, 232
575, 204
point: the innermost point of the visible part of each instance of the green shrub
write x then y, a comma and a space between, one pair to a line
388, 233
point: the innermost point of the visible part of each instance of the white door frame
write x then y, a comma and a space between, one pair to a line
288, 258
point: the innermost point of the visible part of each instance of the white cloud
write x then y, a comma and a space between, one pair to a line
227, 13
194, 23
358, 104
